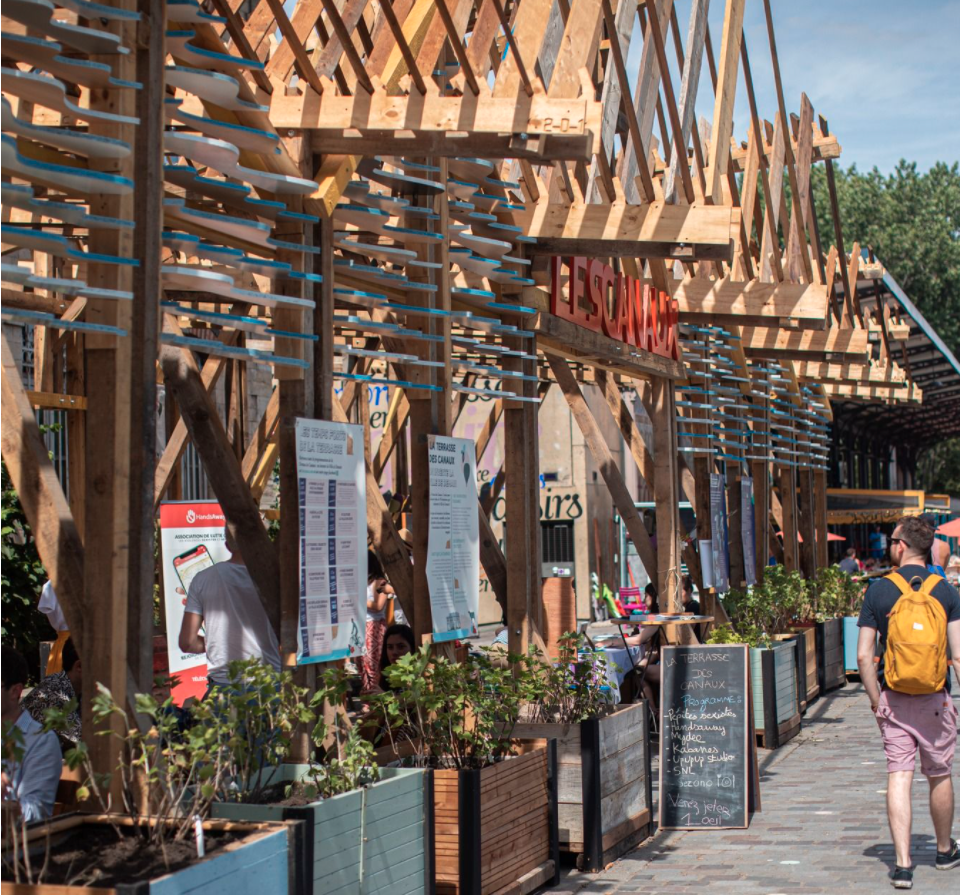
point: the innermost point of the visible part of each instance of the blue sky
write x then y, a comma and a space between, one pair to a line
885, 74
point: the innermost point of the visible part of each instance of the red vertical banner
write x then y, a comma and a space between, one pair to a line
192, 538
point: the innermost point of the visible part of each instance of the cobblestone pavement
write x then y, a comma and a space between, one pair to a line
822, 829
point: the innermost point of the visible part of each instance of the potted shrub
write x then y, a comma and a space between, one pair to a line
167, 778
758, 615
603, 753
364, 828
835, 595
494, 796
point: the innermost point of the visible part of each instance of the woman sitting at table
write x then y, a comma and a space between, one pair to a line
647, 666
398, 641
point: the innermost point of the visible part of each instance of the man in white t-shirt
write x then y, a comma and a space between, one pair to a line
224, 601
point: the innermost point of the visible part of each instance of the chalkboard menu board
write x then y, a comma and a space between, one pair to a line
706, 746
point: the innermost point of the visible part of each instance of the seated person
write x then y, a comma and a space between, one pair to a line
647, 664
30, 779
56, 690
398, 641
689, 603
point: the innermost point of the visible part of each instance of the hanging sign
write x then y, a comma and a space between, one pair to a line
192, 538
332, 488
453, 547
748, 530
621, 307
718, 525
708, 776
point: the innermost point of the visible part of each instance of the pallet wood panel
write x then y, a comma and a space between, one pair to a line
379, 835
604, 779
510, 803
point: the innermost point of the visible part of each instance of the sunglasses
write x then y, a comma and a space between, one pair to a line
898, 541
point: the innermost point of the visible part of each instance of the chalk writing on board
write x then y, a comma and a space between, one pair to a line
703, 747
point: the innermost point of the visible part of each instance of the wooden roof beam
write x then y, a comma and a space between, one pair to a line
750, 303
805, 345
653, 230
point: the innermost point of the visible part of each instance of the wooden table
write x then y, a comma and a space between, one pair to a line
659, 622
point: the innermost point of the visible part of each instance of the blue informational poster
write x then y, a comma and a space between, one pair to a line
718, 520
331, 475
748, 530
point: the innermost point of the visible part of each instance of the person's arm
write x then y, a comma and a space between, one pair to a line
40, 777
866, 653
190, 640
381, 591
953, 638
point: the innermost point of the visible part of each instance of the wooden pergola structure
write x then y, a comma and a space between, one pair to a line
359, 192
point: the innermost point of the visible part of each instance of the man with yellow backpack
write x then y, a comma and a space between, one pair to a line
906, 676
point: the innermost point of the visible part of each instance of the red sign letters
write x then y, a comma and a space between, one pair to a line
618, 306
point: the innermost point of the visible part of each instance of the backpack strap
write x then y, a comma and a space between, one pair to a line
900, 582
929, 583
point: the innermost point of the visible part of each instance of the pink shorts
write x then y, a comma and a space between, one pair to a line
926, 722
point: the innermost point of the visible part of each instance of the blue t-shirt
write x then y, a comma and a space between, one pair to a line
881, 597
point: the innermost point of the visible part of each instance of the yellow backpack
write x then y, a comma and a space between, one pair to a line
915, 660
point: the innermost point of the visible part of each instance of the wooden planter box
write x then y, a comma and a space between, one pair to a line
830, 666
375, 840
605, 783
496, 828
851, 634
801, 643
261, 863
810, 680
773, 678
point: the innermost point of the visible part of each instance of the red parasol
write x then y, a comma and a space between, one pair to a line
950, 529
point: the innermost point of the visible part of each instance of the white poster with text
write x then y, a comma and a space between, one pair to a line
453, 548
332, 485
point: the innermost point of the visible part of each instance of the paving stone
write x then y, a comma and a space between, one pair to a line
823, 806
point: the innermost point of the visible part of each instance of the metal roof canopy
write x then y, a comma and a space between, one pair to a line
929, 362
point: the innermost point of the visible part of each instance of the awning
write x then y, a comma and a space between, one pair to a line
852, 505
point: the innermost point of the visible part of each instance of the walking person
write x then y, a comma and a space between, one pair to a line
223, 600
906, 677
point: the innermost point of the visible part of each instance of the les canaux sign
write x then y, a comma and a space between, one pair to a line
620, 307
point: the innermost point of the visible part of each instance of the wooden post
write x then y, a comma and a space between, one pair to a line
808, 523
667, 499
521, 469
788, 504
734, 526
76, 430
761, 514
292, 405
145, 333
421, 425
111, 473
820, 517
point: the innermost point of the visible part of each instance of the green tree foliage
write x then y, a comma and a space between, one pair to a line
911, 220
21, 579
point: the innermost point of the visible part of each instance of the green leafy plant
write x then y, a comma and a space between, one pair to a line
21, 576
454, 714
172, 771
834, 593
723, 634
766, 609
567, 691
